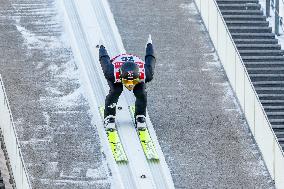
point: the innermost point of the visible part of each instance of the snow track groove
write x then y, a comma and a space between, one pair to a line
80, 47
90, 23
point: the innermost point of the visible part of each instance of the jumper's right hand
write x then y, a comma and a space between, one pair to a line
102, 52
100, 46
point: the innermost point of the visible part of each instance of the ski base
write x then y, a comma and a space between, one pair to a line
145, 140
114, 142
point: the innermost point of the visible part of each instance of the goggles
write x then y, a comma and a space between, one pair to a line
130, 84
127, 82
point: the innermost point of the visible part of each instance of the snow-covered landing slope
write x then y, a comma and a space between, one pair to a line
90, 23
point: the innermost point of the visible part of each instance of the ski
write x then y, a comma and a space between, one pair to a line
114, 142
145, 140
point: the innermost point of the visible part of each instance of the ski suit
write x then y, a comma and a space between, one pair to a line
116, 87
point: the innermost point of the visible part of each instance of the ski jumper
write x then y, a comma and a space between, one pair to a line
111, 72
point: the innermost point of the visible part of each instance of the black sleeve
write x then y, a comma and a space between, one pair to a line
106, 65
150, 62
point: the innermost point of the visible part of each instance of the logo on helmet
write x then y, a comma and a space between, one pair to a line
130, 74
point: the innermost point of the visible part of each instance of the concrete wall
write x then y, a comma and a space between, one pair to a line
239, 79
11, 142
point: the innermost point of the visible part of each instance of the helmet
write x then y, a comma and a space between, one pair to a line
129, 75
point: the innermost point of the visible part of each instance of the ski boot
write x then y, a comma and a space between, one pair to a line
109, 123
141, 122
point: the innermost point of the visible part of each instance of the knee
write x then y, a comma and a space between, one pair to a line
119, 90
116, 91
140, 94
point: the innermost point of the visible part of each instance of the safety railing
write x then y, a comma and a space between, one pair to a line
281, 14
278, 8
240, 81
11, 143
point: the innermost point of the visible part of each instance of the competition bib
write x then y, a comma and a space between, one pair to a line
121, 59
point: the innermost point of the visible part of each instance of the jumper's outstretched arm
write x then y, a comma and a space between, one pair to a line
106, 64
150, 60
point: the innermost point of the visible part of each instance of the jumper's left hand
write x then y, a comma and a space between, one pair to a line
149, 41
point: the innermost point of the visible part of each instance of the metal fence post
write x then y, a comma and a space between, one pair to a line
276, 17
267, 8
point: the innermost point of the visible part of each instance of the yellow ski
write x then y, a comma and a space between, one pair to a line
115, 143
145, 140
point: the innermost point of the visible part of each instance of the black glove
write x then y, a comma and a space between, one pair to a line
102, 52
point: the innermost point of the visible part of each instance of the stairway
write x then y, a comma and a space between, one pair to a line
261, 54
